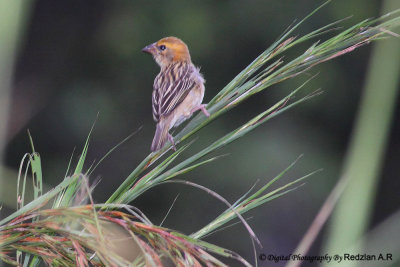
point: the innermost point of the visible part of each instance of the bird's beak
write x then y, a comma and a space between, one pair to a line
150, 49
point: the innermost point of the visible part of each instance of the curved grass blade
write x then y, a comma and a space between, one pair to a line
219, 197
127, 194
90, 171
40, 201
248, 204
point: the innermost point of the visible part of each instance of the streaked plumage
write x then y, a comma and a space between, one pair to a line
178, 89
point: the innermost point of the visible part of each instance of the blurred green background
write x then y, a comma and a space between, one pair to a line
78, 58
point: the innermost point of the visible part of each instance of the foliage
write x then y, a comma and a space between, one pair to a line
73, 232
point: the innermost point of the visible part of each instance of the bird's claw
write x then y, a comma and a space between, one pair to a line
171, 139
202, 107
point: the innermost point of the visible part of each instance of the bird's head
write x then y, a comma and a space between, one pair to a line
168, 50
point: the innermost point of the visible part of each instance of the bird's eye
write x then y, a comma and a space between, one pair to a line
162, 47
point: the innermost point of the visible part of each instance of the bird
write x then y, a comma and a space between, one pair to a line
178, 89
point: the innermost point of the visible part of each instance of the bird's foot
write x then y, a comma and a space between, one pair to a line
171, 139
201, 107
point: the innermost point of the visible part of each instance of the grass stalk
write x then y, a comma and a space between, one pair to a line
368, 144
72, 233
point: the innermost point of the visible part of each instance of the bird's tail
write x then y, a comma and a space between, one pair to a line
160, 137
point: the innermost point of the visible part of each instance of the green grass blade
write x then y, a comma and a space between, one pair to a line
194, 166
223, 200
223, 219
36, 167
130, 180
257, 77
248, 204
126, 194
366, 152
230, 137
279, 176
89, 172
67, 196
40, 200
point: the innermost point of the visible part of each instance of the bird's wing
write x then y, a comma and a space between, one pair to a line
171, 88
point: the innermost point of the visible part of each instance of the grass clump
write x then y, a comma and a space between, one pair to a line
75, 231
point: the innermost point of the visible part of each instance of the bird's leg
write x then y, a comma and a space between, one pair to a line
171, 139
201, 107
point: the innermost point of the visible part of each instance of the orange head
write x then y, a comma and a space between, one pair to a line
168, 50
